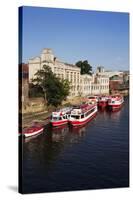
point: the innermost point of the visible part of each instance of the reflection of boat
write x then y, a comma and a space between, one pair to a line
59, 128
102, 102
58, 134
115, 102
82, 114
31, 131
80, 130
28, 139
60, 117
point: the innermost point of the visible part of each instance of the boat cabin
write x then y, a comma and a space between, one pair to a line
82, 111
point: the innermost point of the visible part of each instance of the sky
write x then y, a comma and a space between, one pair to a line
102, 38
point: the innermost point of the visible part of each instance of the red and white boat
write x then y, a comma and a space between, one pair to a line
115, 102
60, 117
103, 102
28, 132
82, 114
92, 99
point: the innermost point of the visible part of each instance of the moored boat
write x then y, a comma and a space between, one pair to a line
102, 102
92, 99
60, 117
82, 114
31, 131
115, 102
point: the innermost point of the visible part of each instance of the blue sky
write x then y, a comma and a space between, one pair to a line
102, 38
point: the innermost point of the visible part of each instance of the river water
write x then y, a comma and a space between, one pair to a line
94, 156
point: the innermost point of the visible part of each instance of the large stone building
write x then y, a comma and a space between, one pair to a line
83, 85
62, 70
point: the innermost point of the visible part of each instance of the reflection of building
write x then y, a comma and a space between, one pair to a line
80, 84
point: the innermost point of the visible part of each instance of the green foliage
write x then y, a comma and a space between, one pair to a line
115, 77
85, 67
53, 89
35, 91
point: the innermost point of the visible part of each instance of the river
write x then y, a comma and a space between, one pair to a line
94, 156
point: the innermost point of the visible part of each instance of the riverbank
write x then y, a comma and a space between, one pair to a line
43, 117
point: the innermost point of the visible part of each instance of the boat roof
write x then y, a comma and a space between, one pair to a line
83, 106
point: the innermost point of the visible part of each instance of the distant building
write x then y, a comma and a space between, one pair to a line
126, 77
100, 84
102, 71
83, 85
115, 82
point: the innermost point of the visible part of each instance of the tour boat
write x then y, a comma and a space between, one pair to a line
82, 114
115, 102
92, 99
103, 102
31, 131
60, 117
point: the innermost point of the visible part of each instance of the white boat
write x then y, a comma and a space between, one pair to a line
31, 131
60, 117
92, 99
115, 102
103, 101
82, 114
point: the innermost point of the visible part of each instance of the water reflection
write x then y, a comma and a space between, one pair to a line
47, 146
28, 139
59, 133
68, 134
116, 115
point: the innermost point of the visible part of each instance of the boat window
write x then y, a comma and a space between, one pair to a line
64, 117
75, 116
89, 112
55, 118
86, 114
82, 116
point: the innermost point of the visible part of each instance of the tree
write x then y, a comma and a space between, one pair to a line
53, 89
35, 90
85, 67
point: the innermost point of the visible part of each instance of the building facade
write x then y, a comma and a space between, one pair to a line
62, 70
80, 84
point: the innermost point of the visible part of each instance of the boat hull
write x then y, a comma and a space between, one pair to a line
26, 134
59, 123
102, 104
115, 107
